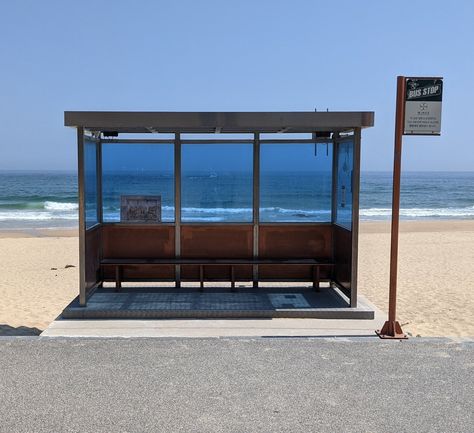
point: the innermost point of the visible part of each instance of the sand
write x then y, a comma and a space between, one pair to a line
32, 294
436, 276
435, 279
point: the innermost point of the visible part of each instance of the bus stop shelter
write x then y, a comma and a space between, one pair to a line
218, 214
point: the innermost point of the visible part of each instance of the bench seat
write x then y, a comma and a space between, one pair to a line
119, 263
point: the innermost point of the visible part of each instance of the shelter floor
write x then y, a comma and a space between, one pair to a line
217, 302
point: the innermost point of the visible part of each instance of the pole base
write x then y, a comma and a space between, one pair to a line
391, 330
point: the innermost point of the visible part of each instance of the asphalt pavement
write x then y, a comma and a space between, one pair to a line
236, 385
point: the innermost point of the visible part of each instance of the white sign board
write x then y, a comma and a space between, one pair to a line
423, 99
143, 209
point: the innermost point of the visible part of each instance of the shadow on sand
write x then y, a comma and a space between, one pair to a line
7, 330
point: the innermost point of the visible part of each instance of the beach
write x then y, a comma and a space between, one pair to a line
435, 277
39, 271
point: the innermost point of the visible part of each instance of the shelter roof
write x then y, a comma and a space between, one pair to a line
218, 122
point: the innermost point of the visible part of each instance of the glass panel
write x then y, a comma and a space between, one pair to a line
137, 169
345, 162
295, 182
90, 183
217, 182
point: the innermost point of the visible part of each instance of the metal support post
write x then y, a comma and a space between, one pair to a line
391, 328
256, 203
177, 206
82, 217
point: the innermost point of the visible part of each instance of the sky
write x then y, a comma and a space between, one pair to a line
241, 55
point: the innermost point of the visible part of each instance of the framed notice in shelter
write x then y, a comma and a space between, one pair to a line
140, 209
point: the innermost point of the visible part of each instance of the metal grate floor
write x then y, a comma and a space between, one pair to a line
169, 303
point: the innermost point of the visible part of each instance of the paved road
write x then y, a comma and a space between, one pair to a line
235, 385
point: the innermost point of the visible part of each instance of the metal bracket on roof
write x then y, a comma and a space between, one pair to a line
110, 133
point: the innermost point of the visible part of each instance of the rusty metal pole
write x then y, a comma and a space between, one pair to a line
391, 328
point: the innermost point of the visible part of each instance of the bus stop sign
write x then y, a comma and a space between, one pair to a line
423, 99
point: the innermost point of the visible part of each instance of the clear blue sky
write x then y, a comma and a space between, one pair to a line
235, 56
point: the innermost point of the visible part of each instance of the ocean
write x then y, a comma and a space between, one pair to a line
49, 199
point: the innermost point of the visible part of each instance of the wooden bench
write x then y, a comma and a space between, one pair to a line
118, 264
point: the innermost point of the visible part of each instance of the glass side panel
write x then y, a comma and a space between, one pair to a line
295, 182
345, 164
137, 170
90, 183
216, 182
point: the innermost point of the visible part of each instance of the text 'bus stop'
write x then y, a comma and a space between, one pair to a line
194, 199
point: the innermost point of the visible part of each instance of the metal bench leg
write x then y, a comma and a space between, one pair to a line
201, 278
177, 276
118, 278
101, 278
255, 276
316, 278
232, 279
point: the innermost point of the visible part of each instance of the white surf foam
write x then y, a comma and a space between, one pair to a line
34, 216
449, 212
57, 206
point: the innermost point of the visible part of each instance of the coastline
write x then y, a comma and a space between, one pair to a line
436, 276
366, 227
39, 233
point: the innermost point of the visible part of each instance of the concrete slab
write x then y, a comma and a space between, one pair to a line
215, 328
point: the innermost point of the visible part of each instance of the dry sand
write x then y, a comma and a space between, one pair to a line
32, 294
436, 276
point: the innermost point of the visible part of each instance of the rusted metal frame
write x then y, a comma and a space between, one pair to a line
126, 224
118, 267
98, 169
315, 271
335, 153
295, 140
217, 141
213, 262
89, 290
232, 278
177, 206
215, 223
392, 328
212, 141
201, 277
294, 223
355, 215
100, 208
256, 203
118, 278
400, 115
220, 223
111, 279
137, 141
82, 219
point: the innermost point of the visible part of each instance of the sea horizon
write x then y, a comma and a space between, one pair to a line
48, 198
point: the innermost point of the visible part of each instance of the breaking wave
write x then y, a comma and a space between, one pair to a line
44, 211
415, 213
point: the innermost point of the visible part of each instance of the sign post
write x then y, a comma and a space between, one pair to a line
418, 112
